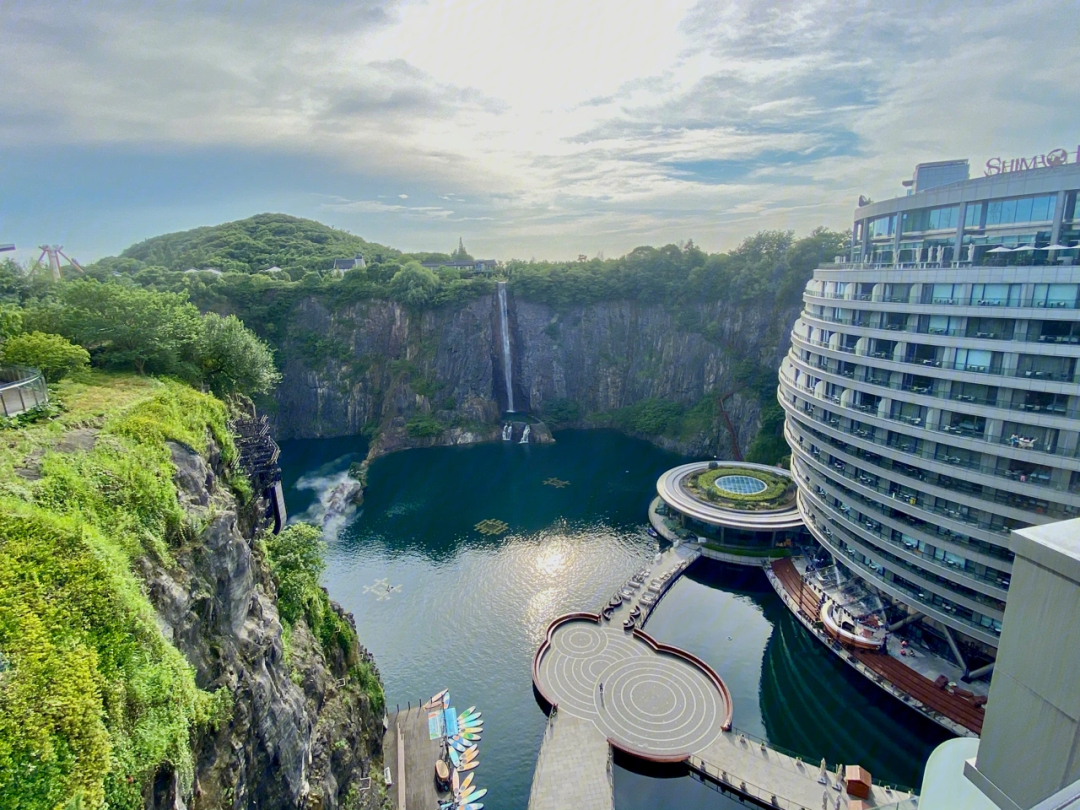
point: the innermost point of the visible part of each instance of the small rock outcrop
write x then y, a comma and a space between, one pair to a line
300, 732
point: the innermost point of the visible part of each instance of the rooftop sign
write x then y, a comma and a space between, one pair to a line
1055, 157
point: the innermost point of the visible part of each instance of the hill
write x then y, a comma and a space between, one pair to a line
252, 245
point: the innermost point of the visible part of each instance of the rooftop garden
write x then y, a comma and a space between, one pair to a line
778, 491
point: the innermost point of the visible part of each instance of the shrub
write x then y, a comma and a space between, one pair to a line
54, 355
424, 426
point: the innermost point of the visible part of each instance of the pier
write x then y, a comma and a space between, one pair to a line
409, 754
659, 704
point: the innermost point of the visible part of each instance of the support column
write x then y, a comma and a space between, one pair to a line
975, 674
1059, 213
904, 622
955, 648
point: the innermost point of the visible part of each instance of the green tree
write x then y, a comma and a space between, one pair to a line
415, 285
232, 359
56, 356
124, 326
296, 561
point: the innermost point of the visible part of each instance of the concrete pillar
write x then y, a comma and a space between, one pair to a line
1030, 745
958, 242
1059, 213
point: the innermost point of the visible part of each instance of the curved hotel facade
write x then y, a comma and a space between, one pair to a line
932, 395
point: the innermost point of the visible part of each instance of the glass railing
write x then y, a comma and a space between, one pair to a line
996, 497
918, 423
958, 301
929, 364
936, 585
999, 579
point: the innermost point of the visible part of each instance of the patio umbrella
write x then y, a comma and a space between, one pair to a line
1055, 247
1023, 248
1000, 249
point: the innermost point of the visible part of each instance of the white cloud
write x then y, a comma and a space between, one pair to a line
563, 126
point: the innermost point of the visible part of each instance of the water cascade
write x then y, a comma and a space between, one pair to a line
524, 436
507, 432
504, 327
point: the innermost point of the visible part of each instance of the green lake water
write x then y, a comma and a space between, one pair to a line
442, 605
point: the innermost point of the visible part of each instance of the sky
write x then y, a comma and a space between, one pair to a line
531, 129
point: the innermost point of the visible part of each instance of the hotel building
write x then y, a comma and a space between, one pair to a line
932, 394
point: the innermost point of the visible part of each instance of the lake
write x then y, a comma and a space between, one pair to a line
440, 604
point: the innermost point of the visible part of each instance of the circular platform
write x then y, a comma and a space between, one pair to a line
658, 702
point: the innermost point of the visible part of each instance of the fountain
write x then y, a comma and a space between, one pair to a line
504, 327
508, 432
524, 436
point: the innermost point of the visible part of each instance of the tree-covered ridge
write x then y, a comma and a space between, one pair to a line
769, 265
252, 245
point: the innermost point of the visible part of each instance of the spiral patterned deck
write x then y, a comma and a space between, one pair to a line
658, 703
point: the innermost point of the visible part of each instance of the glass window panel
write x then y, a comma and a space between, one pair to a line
1023, 210
973, 215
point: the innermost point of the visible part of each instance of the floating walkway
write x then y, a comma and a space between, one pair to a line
659, 704
960, 714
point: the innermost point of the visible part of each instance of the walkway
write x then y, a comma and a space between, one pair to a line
659, 704
410, 754
574, 767
954, 712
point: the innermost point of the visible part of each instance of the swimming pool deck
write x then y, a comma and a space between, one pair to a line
659, 704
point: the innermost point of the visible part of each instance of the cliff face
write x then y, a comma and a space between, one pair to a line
300, 733
386, 365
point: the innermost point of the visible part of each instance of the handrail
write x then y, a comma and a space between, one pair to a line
545, 645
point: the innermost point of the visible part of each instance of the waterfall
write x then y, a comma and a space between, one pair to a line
504, 326
525, 436
508, 432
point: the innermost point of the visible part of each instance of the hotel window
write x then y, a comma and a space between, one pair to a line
1022, 209
883, 226
930, 219
942, 293
1055, 295
1070, 207
973, 215
995, 295
973, 360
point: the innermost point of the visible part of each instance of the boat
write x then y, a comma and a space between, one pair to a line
455, 785
474, 725
845, 629
468, 766
652, 532
460, 745
469, 714
442, 775
473, 806
469, 710
446, 699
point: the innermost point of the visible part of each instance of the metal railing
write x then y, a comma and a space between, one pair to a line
22, 389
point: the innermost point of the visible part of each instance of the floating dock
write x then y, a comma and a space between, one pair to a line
410, 755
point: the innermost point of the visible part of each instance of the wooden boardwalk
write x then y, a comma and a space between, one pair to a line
959, 712
410, 755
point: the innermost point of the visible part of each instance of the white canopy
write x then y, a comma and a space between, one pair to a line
1055, 247
1000, 249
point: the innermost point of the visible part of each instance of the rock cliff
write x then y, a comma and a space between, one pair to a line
436, 377
301, 733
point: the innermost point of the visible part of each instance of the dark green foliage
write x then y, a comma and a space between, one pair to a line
54, 355
126, 327
561, 411
232, 360
415, 285
650, 416
252, 245
424, 426
769, 446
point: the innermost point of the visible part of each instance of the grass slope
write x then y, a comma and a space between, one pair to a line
92, 697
